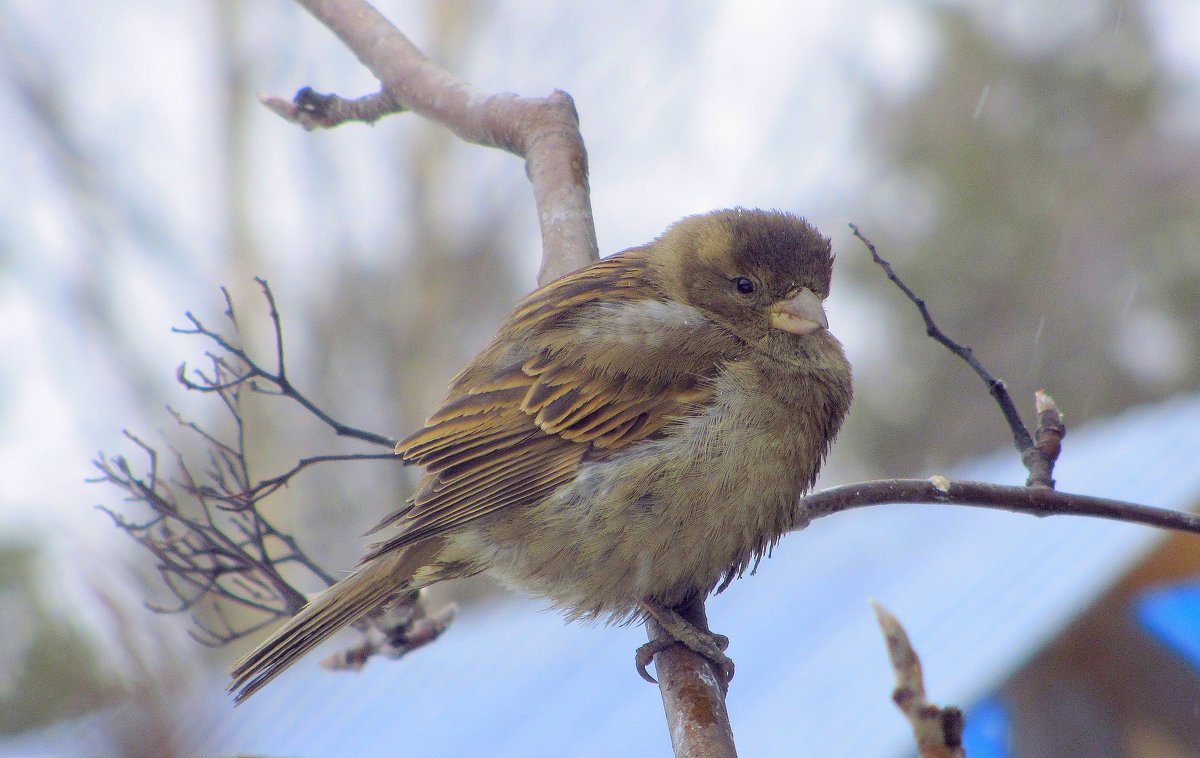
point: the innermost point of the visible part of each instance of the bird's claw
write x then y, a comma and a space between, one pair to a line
645, 656
714, 653
724, 665
708, 644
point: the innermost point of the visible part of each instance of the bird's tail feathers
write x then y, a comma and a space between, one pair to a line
371, 585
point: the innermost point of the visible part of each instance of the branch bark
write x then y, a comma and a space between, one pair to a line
1035, 501
543, 131
937, 731
692, 696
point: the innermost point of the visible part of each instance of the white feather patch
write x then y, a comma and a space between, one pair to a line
645, 322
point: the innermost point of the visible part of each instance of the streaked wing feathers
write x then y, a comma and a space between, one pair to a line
515, 428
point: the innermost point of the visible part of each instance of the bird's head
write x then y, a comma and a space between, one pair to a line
762, 274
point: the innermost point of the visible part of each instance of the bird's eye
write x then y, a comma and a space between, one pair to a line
744, 285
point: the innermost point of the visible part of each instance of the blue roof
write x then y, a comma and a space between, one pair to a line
979, 592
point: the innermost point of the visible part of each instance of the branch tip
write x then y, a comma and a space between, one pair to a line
1050, 432
313, 110
937, 730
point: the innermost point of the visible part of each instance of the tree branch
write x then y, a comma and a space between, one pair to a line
692, 693
543, 131
1035, 501
937, 731
215, 549
1040, 466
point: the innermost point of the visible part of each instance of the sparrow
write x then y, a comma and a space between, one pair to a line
637, 435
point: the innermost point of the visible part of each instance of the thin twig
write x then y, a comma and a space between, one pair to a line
1035, 501
251, 370
1040, 469
268, 486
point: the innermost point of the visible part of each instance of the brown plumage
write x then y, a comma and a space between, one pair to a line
637, 432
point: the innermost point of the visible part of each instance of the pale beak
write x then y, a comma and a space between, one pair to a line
803, 314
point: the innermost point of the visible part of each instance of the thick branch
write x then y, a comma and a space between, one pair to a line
692, 695
543, 131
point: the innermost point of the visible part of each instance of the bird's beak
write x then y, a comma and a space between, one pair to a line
803, 314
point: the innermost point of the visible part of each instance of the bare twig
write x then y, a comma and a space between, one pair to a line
249, 370
1035, 501
543, 131
267, 486
938, 731
207, 555
214, 548
1039, 466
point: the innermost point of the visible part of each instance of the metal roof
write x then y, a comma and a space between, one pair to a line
986, 590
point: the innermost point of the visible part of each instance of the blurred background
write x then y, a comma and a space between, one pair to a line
1032, 169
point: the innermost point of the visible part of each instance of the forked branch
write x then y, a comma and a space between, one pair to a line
224, 561
542, 130
1037, 459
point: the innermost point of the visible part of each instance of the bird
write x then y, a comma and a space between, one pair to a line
637, 435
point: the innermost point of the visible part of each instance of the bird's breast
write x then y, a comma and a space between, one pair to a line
668, 518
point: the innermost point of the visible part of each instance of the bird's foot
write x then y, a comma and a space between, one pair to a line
679, 630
